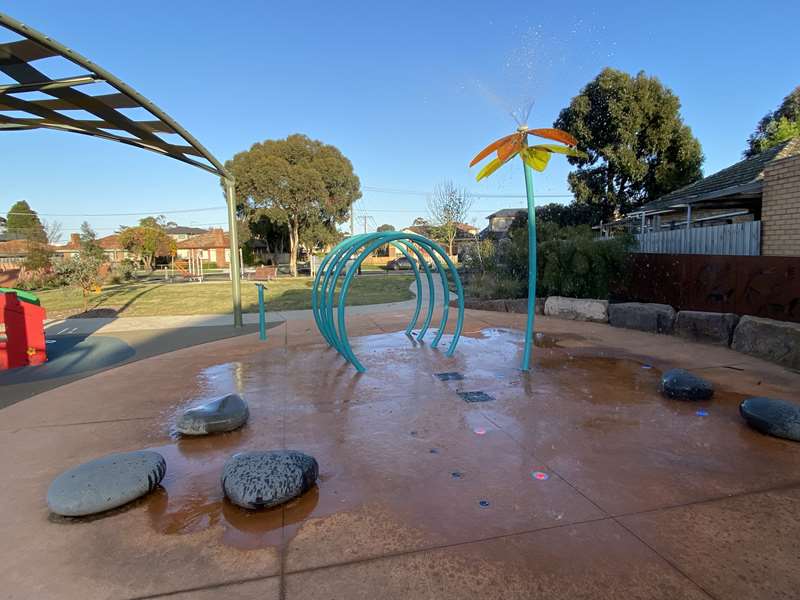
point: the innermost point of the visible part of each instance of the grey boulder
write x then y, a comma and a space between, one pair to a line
223, 414
773, 417
653, 318
263, 479
680, 384
707, 327
776, 341
105, 483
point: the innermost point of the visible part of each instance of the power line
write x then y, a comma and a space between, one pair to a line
381, 190
132, 214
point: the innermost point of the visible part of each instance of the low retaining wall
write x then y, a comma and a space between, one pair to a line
775, 341
577, 309
512, 305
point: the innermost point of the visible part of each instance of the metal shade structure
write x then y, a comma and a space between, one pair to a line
35, 101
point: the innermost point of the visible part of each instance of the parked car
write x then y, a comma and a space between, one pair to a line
398, 264
401, 263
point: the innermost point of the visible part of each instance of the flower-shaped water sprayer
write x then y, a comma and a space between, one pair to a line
534, 158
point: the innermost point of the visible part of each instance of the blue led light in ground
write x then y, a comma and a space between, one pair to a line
484, 504
540, 475
702, 413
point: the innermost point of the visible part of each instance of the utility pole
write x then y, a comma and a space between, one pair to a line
365, 217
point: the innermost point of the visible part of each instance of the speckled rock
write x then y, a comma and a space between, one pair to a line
773, 417
105, 483
680, 384
653, 318
263, 479
223, 414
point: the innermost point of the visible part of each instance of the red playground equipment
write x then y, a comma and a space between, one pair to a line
23, 342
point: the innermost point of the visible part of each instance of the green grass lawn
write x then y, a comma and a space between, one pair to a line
158, 299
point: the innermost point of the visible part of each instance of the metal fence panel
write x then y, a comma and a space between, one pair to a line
737, 239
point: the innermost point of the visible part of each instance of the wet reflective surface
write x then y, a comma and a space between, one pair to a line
520, 489
390, 439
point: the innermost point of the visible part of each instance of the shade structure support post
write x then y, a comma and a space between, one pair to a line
526, 355
236, 273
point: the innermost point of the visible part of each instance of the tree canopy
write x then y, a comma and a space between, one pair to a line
637, 146
386, 227
448, 207
148, 240
24, 223
89, 245
301, 183
567, 215
776, 126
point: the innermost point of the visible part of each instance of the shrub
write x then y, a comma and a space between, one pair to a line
123, 271
570, 262
38, 279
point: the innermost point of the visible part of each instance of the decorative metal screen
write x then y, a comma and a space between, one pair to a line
89, 100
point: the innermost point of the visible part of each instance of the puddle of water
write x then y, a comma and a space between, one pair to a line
190, 498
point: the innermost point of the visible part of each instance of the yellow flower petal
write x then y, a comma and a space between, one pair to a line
489, 169
535, 158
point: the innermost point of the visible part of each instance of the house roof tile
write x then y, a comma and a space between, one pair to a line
744, 177
214, 238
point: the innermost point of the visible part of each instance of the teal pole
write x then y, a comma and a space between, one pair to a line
262, 316
526, 355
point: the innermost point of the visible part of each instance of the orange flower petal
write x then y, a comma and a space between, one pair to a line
489, 149
510, 148
554, 134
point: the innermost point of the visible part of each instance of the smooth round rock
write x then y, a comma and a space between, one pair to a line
773, 417
680, 384
223, 414
263, 479
105, 483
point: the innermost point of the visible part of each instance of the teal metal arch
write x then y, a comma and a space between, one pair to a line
346, 258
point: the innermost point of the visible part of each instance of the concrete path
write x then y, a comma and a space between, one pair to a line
107, 325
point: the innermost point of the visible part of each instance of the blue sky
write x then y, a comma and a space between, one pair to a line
409, 91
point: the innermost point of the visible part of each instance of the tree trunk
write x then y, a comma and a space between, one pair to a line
294, 234
450, 246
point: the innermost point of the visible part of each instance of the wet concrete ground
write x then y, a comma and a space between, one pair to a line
576, 480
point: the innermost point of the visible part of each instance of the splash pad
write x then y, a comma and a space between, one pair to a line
534, 158
350, 253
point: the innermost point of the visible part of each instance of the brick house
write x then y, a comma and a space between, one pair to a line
780, 207
751, 207
113, 250
212, 246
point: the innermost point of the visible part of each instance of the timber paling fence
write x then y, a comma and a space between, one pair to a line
736, 239
762, 286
